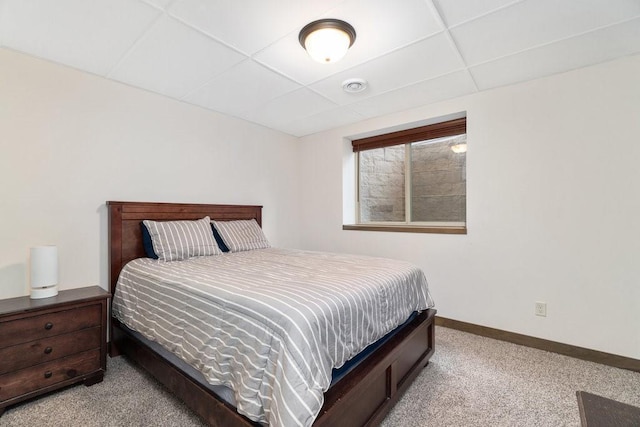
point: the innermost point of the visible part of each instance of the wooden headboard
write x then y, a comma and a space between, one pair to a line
125, 235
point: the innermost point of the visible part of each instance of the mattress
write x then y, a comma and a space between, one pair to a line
270, 324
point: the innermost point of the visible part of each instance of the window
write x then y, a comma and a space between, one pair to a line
413, 180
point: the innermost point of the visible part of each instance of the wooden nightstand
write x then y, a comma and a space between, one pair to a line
50, 343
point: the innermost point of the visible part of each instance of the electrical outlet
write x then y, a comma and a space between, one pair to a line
541, 309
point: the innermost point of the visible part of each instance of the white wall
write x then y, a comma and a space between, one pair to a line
553, 186
69, 141
553, 190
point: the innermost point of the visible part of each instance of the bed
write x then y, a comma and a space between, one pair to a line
363, 396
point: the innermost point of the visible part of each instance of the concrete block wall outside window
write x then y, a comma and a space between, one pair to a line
437, 182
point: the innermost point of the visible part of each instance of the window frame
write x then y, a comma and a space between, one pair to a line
406, 137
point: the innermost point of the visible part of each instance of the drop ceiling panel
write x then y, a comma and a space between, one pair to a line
173, 59
161, 4
322, 121
381, 26
89, 35
249, 25
588, 49
455, 12
377, 23
244, 87
290, 59
423, 93
535, 22
243, 57
403, 67
2, 15
289, 108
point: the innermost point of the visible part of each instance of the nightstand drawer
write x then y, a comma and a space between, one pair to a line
47, 374
50, 343
47, 325
32, 353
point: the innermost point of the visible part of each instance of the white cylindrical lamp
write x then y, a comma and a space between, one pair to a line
44, 272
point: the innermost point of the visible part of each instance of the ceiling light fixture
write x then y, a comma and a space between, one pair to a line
327, 40
459, 148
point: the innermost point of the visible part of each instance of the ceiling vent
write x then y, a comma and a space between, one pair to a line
354, 85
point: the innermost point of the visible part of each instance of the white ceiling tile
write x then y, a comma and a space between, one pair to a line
161, 4
243, 57
2, 14
173, 59
588, 49
244, 87
381, 26
290, 59
423, 93
322, 121
457, 11
400, 68
288, 108
89, 35
249, 25
535, 22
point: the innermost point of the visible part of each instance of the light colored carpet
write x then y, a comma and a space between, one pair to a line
477, 381
471, 381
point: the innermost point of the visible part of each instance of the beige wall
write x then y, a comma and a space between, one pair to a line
552, 190
69, 141
553, 197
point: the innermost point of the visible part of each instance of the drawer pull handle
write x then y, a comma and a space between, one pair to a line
48, 374
48, 325
48, 350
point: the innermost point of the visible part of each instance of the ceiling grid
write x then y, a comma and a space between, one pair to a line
243, 58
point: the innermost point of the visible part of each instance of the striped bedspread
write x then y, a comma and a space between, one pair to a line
270, 324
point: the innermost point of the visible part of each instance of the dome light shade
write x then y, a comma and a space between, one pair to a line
459, 148
327, 40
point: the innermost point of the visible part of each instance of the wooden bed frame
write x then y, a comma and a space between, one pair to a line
363, 397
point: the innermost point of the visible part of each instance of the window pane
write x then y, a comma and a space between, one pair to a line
438, 180
382, 184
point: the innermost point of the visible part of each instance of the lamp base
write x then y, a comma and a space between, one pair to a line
46, 292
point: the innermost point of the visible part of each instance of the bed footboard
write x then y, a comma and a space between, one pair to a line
368, 393
362, 398
213, 410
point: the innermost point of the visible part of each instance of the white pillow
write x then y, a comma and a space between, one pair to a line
178, 240
242, 235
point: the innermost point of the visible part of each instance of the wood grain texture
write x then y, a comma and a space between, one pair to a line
422, 133
50, 324
125, 234
47, 374
398, 362
67, 298
362, 397
214, 411
43, 350
51, 343
598, 411
542, 344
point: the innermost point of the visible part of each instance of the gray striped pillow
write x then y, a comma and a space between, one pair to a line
242, 235
178, 240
